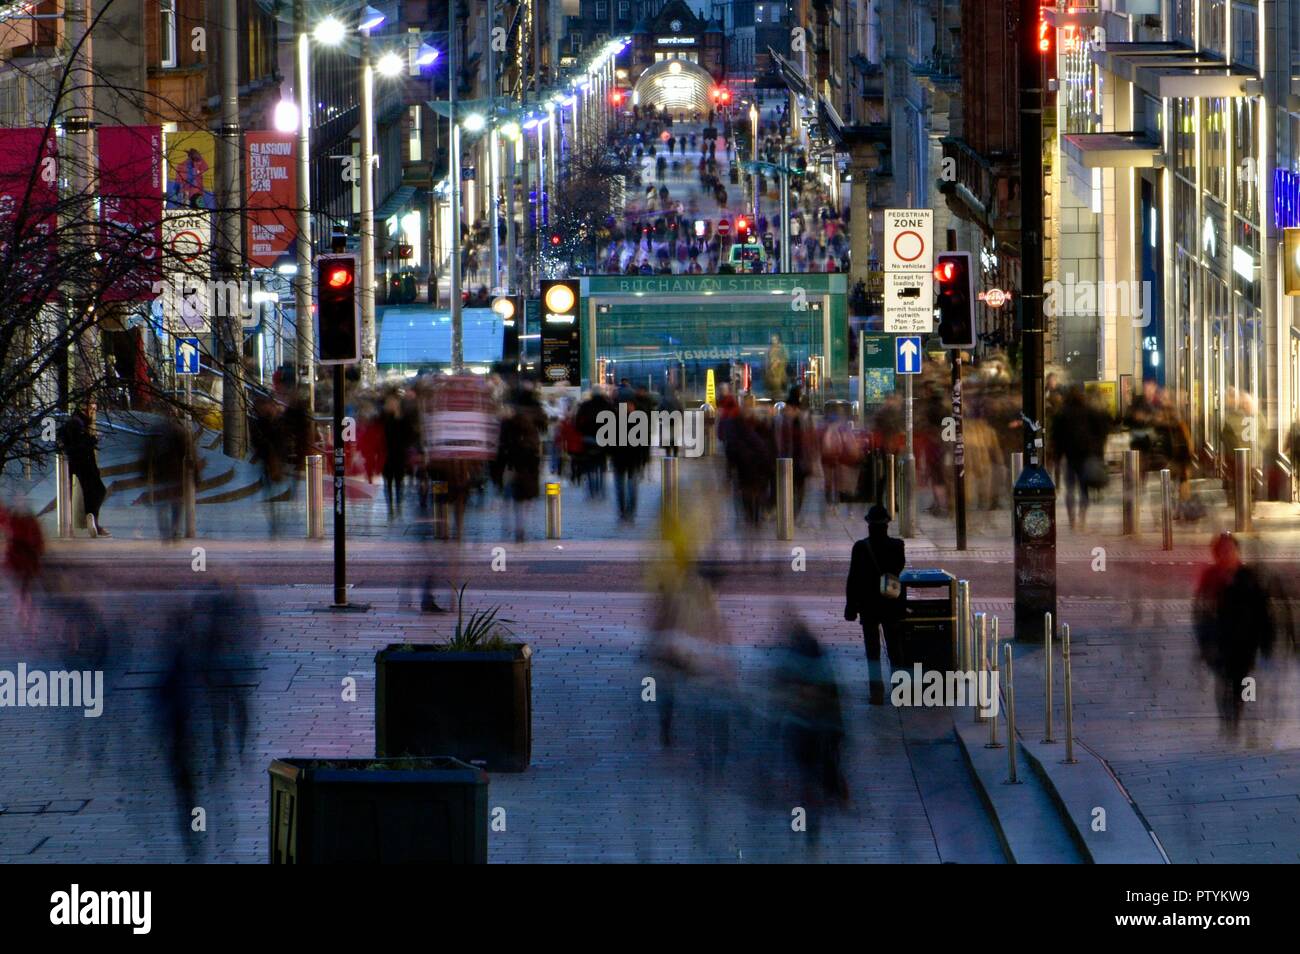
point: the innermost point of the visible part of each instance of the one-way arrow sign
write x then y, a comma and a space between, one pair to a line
907, 355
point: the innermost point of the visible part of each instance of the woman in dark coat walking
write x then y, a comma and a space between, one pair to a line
521, 448
79, 442
874, 556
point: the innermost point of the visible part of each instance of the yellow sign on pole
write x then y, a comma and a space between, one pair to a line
710, 390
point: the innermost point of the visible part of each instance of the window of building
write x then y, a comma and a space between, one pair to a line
1215, 140
624, 10
1245, 34
1185, 21
1214, 26
602, 10
167, 33
415, 141
1245, 159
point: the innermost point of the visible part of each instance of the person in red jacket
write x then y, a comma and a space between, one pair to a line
23, 551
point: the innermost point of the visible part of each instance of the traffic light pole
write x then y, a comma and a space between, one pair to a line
340, 499
958, 453
1034, 504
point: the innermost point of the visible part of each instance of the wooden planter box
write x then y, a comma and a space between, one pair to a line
473, 706
378, 811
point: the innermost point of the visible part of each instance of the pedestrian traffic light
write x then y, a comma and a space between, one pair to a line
336, 297
954, 299
742, 227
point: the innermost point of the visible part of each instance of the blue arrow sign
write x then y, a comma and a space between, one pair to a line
907, 354
187, 355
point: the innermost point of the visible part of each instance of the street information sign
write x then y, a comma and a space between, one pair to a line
187, 355
909, 258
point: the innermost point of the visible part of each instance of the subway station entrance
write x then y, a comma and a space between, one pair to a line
760, 333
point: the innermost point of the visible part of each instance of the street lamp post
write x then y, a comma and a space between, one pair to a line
306, 344
453, 80
367, 288
753, 182
230, 331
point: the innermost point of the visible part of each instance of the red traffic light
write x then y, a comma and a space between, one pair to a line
339, 278
555, 239
721, 95
945, 272
616, 97
741, 224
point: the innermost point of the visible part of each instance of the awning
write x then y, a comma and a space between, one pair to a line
402, 198
1086, 17
846, 134
1112, 150
793, 78
417, 336
1173, 71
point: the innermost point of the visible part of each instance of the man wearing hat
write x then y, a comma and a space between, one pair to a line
874, 557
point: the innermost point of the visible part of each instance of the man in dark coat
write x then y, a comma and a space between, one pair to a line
874, 556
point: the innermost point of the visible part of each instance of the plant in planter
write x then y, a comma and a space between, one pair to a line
469, 698
378, 811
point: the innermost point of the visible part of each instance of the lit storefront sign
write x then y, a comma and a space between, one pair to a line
676, 41
1286, 199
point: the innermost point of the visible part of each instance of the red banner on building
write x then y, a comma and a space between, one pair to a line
29, 198
130, 210
272, 191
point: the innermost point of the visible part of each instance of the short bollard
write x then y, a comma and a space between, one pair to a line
1069, 695
785, 498
1011, 717
994, 673
981, 644
891, 485
315, 497
668, 489
1047, 677
1242, 493
188, 497
1166, 510
1132, 483
553, 527
63, 495
959, 648
441, 510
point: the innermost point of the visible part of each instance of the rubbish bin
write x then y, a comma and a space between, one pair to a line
930, 618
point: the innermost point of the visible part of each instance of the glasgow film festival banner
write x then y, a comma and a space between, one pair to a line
130, 210
29, 199
272, 189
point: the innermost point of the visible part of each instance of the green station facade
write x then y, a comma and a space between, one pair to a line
670, 330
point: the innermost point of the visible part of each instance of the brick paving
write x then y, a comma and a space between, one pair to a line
600, 787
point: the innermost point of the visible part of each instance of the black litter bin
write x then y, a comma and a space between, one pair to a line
930, 618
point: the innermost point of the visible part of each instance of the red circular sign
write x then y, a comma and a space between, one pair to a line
915, 245
995, 297
724, 227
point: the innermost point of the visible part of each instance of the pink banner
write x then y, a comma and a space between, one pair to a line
29, 198
272, 196
130, 210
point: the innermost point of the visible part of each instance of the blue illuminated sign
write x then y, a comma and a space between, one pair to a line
1286, 199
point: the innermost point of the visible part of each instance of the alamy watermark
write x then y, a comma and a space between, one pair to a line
933, 688
633, 427
1118, 299
61, 688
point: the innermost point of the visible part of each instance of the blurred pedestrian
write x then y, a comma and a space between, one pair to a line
873, 596
79, 443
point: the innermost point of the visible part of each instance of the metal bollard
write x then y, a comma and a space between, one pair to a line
994, 673
1069, 696
1011, 718
441, 510
668, 490
710, 429
1242, 489
1166, 510
315, 497
891, 486
553, 526
1132, 492
1017, 465
63, 495
1047, 677
785, 498
187, 497
959, 658
981, 645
